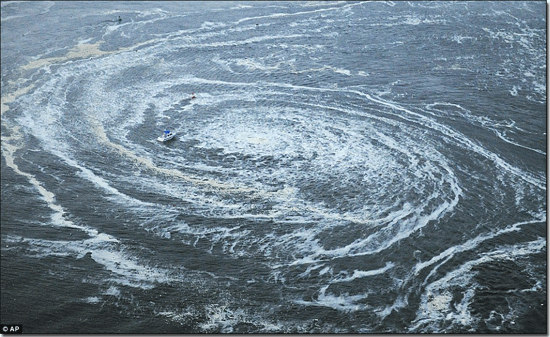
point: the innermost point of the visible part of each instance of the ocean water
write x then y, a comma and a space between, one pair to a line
345, 167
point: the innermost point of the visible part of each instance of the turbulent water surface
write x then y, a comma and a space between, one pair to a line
345, 167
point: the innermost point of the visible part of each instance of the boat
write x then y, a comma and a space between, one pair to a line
167, 135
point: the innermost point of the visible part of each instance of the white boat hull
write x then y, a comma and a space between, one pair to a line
166, 138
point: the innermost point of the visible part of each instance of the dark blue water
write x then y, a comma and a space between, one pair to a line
345, 167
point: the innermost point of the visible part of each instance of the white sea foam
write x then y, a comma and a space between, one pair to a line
528, 177
241, 138
279, 15
57, 217
92, 300
106, 251
398, 304
362, 273
437, 310
459, 38
235, 134
470, 245
112, 291
344, 302
502, 136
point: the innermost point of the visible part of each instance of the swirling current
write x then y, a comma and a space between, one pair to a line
338, 167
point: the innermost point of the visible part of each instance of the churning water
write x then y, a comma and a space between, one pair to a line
345, 167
